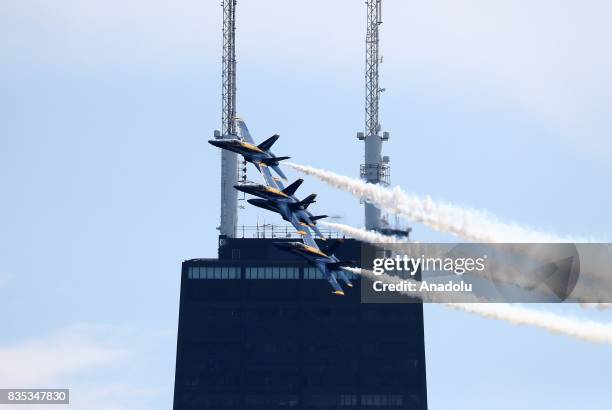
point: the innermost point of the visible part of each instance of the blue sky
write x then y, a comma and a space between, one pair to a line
107, 182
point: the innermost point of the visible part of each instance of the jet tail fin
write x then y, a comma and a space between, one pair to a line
306, 201
317, 217
273, 161
243, 131
290, 190
267, 144
309, 200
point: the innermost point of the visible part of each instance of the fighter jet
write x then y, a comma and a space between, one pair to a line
291, 209
329, 265
269, 192
245, 135
259, 155
286, 204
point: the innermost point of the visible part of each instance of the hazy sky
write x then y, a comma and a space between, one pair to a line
107, 182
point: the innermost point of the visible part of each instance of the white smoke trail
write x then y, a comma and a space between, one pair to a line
473, 225
363, 234
470, 224
594, 305
587, 330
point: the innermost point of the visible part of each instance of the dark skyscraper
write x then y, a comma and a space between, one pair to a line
260, 329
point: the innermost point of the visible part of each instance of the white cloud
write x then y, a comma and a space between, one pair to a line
97, 363
49, 359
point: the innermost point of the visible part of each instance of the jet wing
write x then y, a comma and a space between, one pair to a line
270, 179
265, 171
302, 230
331, 278
279, 171
345, 279
243, 131
334, 284
309, 240
244, 134
316, 230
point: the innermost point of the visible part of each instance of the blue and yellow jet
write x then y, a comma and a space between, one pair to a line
285, 203
259, 155
326, 262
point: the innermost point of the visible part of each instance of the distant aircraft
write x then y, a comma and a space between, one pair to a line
328, 264
259, 155
286, 204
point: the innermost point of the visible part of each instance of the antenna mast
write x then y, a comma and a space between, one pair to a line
229, 68
229, 160
375, 170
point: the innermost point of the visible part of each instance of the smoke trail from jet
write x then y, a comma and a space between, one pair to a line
469, 224
363, 234
474, 225
593, 305
587, 330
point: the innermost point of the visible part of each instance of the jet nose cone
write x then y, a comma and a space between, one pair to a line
256, 201
244, 188
216, 143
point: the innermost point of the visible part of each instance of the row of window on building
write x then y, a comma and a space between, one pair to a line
217, 272
310, 401
272, 272
260, 272
382, 400
314, 273
233, 272
351, 400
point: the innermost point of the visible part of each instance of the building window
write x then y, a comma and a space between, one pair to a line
312, 273
214, 272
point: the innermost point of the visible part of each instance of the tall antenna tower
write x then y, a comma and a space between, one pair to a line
229, 160
376, 167
229, 69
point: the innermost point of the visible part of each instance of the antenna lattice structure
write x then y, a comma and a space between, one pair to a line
372, 89
229, 69
376, 167
229, 160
